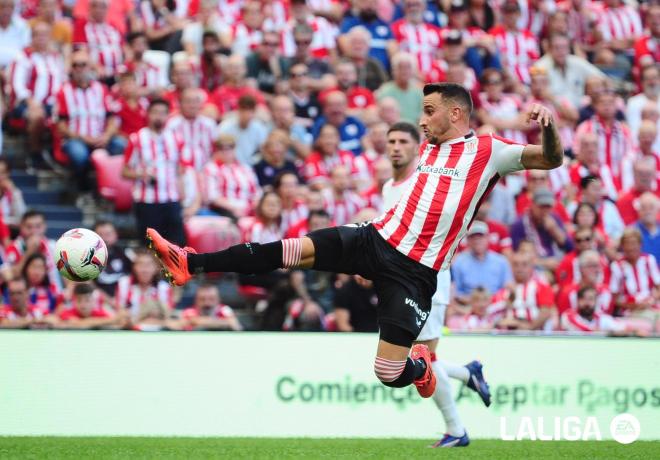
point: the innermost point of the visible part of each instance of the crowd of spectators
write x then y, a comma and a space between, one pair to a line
269, 119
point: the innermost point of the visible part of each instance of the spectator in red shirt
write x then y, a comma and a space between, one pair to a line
618, 27
478, 317
44, 293
568, 271
87, 311
586, 319
209, 313
92, 124
538, 179
326, 156
589, 263
340, 201
131, 107
294, 209
588, 164
183, 78
360, 99
235, 85
644, 180
148, 76
416, 36
247, 31
266, 225
17, 312
528, 302
647, 48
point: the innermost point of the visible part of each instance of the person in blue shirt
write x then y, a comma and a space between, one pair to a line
479, 266
351, 130
433, 14
648, 224
364, 14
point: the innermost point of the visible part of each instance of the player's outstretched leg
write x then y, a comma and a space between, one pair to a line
179, 264
399, 365
472, 375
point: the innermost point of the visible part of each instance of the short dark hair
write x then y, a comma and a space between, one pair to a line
586, 180
586, 205
30, 214
158, 101
210, 34
584, 289
83, 289
405, 127
247, 102
102, 222
452, 92
277, 182
318, 213
130, 38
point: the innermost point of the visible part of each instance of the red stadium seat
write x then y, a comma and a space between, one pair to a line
211, 233
110, 184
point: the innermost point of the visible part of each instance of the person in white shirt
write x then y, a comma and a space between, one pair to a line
650, 95
14, 33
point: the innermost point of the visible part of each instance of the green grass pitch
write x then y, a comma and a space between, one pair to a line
254, 448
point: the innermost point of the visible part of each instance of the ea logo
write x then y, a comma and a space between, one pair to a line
625, 428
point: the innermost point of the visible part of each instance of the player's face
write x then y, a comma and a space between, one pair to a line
401, 149
437, 119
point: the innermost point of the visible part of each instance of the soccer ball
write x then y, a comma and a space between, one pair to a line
80, 255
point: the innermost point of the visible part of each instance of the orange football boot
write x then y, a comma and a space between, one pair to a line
426, 383
173, 258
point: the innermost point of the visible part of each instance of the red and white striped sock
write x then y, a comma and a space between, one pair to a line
291, 252
387, 370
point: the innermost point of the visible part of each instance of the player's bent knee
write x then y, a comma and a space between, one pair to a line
395, 374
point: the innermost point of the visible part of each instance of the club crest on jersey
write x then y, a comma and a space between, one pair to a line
428, 169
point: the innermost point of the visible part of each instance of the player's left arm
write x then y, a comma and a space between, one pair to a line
550, 154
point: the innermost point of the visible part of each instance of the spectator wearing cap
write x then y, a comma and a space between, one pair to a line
416, 36
326, 156
614, 137
585, 319
102, 39
35, 77
266, 67
540, 225
131, 108
592, 192
370, 71
568, 270
231, 186
647, 51
148, 76
361, 101
155, 161
527, 302
319, 70
61, 32
517, 46
363, 14
567, 73
15, 33
588, 164
502, 111
86, 120
305, 100
324, 36
284, 119
479, 266
274, 158
248, 130
635, 281
644, 180
404, 87
590, 270
209, 313
351, 130
648, 224
650, 81
235, 85
196, 130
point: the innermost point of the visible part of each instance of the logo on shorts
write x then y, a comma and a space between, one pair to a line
418, 311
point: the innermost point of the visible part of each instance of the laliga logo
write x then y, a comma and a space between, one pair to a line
624, 428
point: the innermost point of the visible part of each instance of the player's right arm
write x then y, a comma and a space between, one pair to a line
550, 154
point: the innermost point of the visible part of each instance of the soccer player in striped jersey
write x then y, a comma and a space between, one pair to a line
402, 250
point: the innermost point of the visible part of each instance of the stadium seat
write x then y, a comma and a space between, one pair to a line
211, 233
110, 184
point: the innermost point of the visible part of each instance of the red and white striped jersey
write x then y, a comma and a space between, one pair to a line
613, 142
438, 72
578, 170
130, 295
248, 39
635, 281
323, 41
518, 51
220, 311
294, 215
473, 322
152, 20
162, 154
422, 40
567, 298
533, 17
276, 14
103, 41
14, 253
508, 107
317, 167
619, 23
7, 313
85, 109
236, 182
197, 134
568, 270
647, 46
254, 230
570, 320
342, 209
627, 176
373, 198
364, 167
529, 298
36, 75
146, 74
451, 181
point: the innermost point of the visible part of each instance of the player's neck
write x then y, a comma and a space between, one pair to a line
455, 133
400, 175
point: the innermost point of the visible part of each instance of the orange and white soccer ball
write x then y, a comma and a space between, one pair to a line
80, 255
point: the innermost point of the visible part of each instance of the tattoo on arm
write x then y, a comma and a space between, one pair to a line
553, 152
